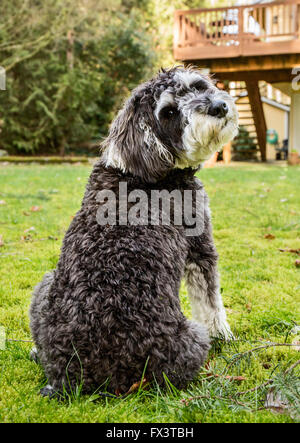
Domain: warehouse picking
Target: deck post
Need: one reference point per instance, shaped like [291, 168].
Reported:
[258, 115]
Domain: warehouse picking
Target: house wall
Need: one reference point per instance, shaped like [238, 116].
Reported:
[275, 119]
[294, 140]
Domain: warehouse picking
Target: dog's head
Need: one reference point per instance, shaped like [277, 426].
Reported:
[176, 120]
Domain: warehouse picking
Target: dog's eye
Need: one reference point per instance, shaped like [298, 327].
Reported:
[168, 112]
[200, 85]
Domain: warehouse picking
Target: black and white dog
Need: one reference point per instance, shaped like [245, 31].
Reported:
[111, 308]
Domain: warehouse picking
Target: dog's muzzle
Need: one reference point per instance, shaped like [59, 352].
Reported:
[218, 108]
[214, 107]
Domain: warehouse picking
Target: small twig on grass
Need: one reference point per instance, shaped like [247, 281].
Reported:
[186, 401]
[227, 377]
[256, 388]
[291, 367]
[267, 382]
[292, 251]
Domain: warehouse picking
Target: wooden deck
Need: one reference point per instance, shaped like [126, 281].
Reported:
[239, 31]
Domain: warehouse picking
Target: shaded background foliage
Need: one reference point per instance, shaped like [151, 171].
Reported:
[71, 63]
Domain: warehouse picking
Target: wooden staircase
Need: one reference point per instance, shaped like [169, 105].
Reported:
[251, 114]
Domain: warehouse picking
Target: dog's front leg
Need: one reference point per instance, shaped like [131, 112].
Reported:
[206, 302]
[202, 279]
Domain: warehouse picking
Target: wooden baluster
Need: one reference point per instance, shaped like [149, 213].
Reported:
[214, 27]
[297, 27]
[203, 27]
[272, 20]
[241, 28]
[260, 20]
[220, 25]
[298, 21]
[255, 17]
[276, 21]
[176, 30]
[222, 22]
[207, 33]
[183, 31]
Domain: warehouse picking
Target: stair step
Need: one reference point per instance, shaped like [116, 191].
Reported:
[245, 112]
[243, 106]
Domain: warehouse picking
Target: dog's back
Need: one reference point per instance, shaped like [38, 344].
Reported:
[111, 308]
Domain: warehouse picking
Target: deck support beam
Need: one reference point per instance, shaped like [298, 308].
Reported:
[258, 116]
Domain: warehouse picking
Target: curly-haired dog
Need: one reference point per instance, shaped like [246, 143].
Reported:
[111, 308]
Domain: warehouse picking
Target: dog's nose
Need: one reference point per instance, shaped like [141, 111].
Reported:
[218, 108]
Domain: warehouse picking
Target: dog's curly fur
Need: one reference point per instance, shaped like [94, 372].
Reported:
[111, 308]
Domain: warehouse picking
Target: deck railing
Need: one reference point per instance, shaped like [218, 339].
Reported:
[238, 30]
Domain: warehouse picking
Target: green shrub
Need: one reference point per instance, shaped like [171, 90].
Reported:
[69, 64]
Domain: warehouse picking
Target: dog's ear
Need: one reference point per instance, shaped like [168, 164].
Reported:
[132, 145]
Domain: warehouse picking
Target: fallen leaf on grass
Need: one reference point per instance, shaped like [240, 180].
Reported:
[249, 307]
[1, 241]
[27, 237]
[234, 377]
[266, 365]
[2, 202]
[269, 236]
[297, 263]
[135, 387]
[35, 208]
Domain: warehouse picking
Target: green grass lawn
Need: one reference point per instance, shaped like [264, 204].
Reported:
[260, 287]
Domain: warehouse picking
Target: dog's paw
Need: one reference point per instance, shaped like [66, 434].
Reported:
[48, 391]
[33, 355]
[221, 329]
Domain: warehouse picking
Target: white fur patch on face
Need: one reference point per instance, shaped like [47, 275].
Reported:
[204, 134]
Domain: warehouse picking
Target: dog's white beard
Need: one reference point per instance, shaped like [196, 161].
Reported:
[203, 136]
